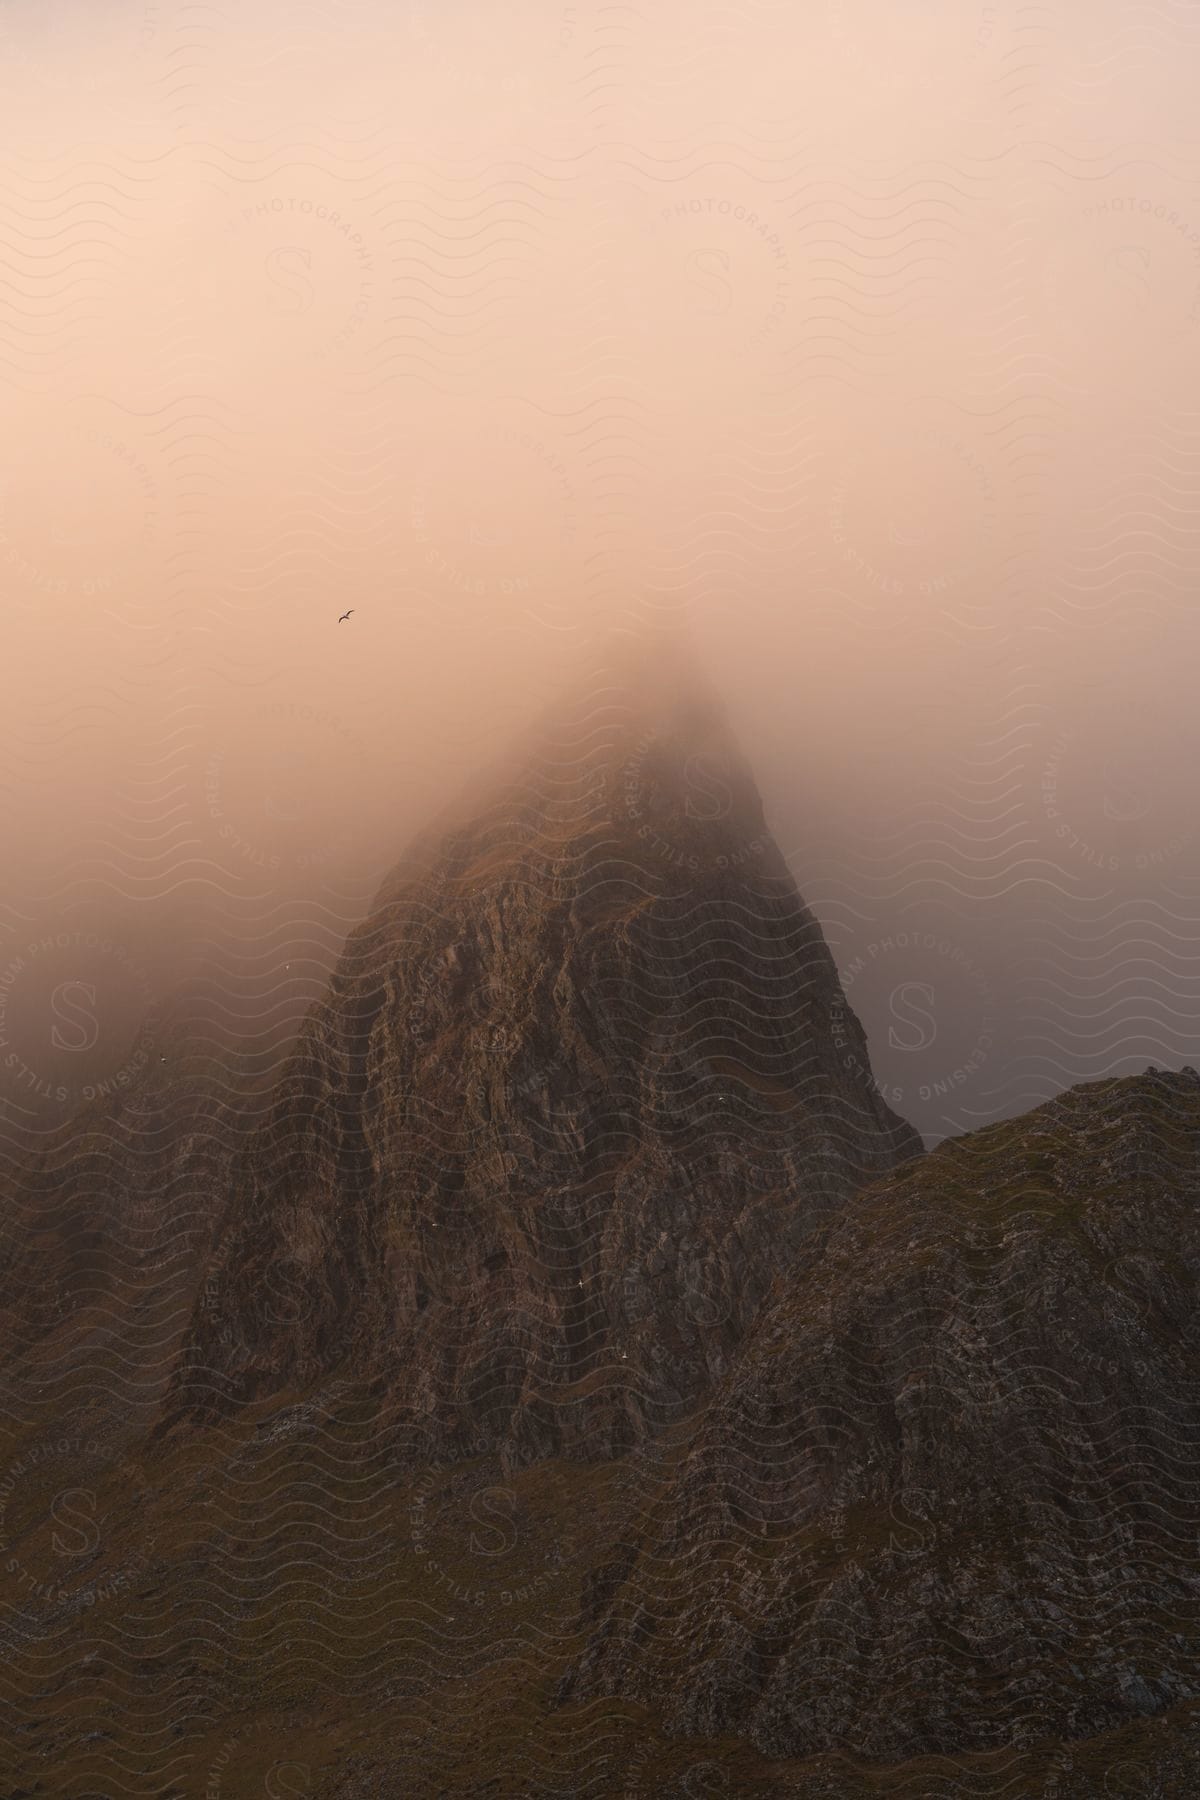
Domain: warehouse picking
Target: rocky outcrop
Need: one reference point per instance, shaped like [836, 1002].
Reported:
[948, 1498]
[571, 1098]
[604, 1396]
[108, 1222]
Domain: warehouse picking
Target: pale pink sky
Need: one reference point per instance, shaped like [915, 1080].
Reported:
[862, 336]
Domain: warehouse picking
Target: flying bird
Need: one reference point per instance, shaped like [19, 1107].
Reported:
[346, 615]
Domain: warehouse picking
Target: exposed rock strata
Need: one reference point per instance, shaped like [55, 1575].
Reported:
[570, 1100]
[948, 1498]
[108, 1224]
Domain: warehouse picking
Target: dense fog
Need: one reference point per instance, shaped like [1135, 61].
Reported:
[866, 357]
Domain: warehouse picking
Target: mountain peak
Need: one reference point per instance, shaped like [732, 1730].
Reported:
[572, 1091]
[655, 681]
[635, 767]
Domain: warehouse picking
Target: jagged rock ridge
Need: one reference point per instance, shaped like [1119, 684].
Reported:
[947, 1501]
[570, 1097]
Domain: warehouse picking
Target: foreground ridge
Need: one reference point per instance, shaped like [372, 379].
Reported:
[947, 1500]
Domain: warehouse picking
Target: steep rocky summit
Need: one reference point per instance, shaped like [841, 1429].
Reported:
[563, 1375]
[571, 1097]
[948, 1499]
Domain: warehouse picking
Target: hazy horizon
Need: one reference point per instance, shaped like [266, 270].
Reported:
[862, 344]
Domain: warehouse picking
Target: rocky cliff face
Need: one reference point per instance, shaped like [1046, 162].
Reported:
[570, 1099]
[948, 1499]
[108, 1223]
[604, 1397]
